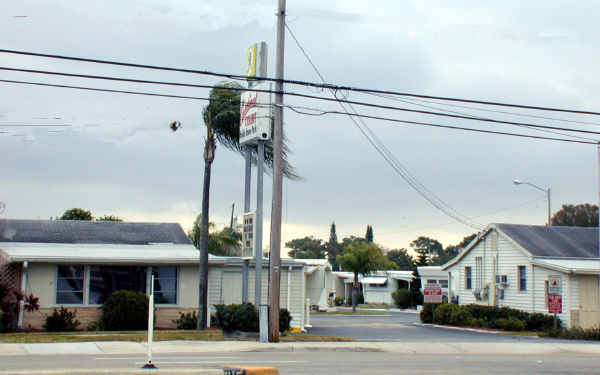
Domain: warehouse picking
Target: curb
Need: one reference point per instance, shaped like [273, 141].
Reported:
[125, 371]
[250, 370]
[466, 329]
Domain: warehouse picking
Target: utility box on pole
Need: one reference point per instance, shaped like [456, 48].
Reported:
[248, 235]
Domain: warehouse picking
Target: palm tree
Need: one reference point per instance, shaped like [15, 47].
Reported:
[221, 117]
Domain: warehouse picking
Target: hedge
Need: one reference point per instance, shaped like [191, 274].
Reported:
[244, 317]
[487, 316]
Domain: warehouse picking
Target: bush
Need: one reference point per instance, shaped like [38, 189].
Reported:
[460, 316]
[443, 312]
[492, 315]
[426, 313]
[242, 317]
[187, 321]
[360, 298]
[61, 320]
[574, 333]
[338, 301]
[285, 319]
[540, 322]
[475, 322]
[401, 298]
[10, 304]
[510, 324]
[95, 326]
[125, 310]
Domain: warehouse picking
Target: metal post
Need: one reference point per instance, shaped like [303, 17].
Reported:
[149, 364]
[258, 250]
[549, 209]
[245, 272]
[277, 180]
[599, 198]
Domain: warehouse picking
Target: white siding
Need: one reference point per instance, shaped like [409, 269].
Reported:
[569, 293]
[509, 258]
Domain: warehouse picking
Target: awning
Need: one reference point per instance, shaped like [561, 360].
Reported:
[374, 280]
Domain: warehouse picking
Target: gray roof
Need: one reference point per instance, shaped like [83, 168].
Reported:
[90, 232]
[544, 241]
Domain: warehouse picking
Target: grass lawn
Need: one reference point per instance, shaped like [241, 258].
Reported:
[142, 336]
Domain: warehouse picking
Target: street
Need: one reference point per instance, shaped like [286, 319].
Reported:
[388, 344]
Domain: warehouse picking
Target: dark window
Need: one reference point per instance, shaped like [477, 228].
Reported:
[165, 285]
[522, 278]
[444, 283]
[431, 281]
[468, 278]
[69, 285]
[106, 279]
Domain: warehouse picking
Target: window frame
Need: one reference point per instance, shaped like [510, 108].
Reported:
[175, 291]
[83, 285]
[89, 284]
[522, 281]
[468, 278]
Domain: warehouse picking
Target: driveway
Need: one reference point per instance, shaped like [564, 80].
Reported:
[397, 326]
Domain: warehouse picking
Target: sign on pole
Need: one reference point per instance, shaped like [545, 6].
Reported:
[554, 284]
[554, 304]
[248, 235]
[256, 60]
[432, 293]
[255, 114]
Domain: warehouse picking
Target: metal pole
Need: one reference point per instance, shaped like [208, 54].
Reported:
[245, 272]
[549, 209]
[149, 364]
[258, 251]
[231, 222]
[277, 179]
[599, 198]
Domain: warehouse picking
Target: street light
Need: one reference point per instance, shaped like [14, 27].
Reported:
[547, 191]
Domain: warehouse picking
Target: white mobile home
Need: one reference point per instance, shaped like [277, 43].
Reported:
[76, 264]
[377, 287]
[511, 265]
[434, 275]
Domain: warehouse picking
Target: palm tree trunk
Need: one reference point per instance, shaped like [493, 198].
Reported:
[209, 154]
[355, 292]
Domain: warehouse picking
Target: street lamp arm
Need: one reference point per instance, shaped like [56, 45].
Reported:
[535, 186]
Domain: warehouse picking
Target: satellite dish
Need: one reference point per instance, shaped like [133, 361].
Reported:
[2, 207]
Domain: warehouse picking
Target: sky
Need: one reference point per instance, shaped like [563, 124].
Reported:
[118, 156]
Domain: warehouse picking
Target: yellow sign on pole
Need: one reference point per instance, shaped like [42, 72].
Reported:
[256, 60]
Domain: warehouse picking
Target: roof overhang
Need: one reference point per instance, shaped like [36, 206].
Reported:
[374, 280]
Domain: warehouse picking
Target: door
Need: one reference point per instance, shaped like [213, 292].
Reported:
[588, 301]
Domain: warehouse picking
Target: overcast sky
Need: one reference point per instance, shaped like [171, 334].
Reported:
[120, 158]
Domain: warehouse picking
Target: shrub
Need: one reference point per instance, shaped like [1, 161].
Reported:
[360, 298]
[510, 324]
[125, 310]
[242, 317]
[426, 313]
[285, 319]
[338, 301]
[461, 316]
[10, 302]
[475, 322]
[187, 321]
[61, 320]
[574, 333]
[540, 322]
[533, 321]
[443, 312]
[95, 326]
[401, 298]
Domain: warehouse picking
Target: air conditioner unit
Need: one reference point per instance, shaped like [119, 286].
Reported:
[477, 294]
[502, 281]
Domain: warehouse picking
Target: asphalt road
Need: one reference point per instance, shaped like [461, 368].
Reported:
[395, 326]
[324, 362]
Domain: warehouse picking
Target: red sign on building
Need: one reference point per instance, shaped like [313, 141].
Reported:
[554, 303]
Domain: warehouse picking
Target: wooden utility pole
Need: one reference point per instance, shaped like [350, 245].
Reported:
[275, 258]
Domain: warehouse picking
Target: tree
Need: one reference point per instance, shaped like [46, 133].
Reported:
[402, 259]
[77, 214]
[221, 117]
[369, 234]
[109, 218]
[306, 248]
[453, 250]
[352, 240]
[580, 215]
[361, 258]
[222, 243]
[333, 248]
[424, 247]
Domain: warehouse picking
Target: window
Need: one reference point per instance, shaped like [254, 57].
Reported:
[106, 279]
[444, 283]
[431, 281]
[468, 278]
[478, 272]
[546, 283]
[522, 278]
[69, 285]
[165, 285]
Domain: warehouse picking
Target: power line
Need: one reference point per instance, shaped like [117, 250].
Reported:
[297, 82]
[390, 158]
[378, 106]
[346, 113]
[32, 125]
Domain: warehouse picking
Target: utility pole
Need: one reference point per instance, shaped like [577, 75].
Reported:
[258, 249]
[275, 258]
[231, 222]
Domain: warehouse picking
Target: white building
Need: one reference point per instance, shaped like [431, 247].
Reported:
[434, 275]
[320, 283]
[510, 265]
[76, 264]
[377, 287]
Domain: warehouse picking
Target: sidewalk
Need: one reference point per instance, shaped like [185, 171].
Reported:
[168, 347]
